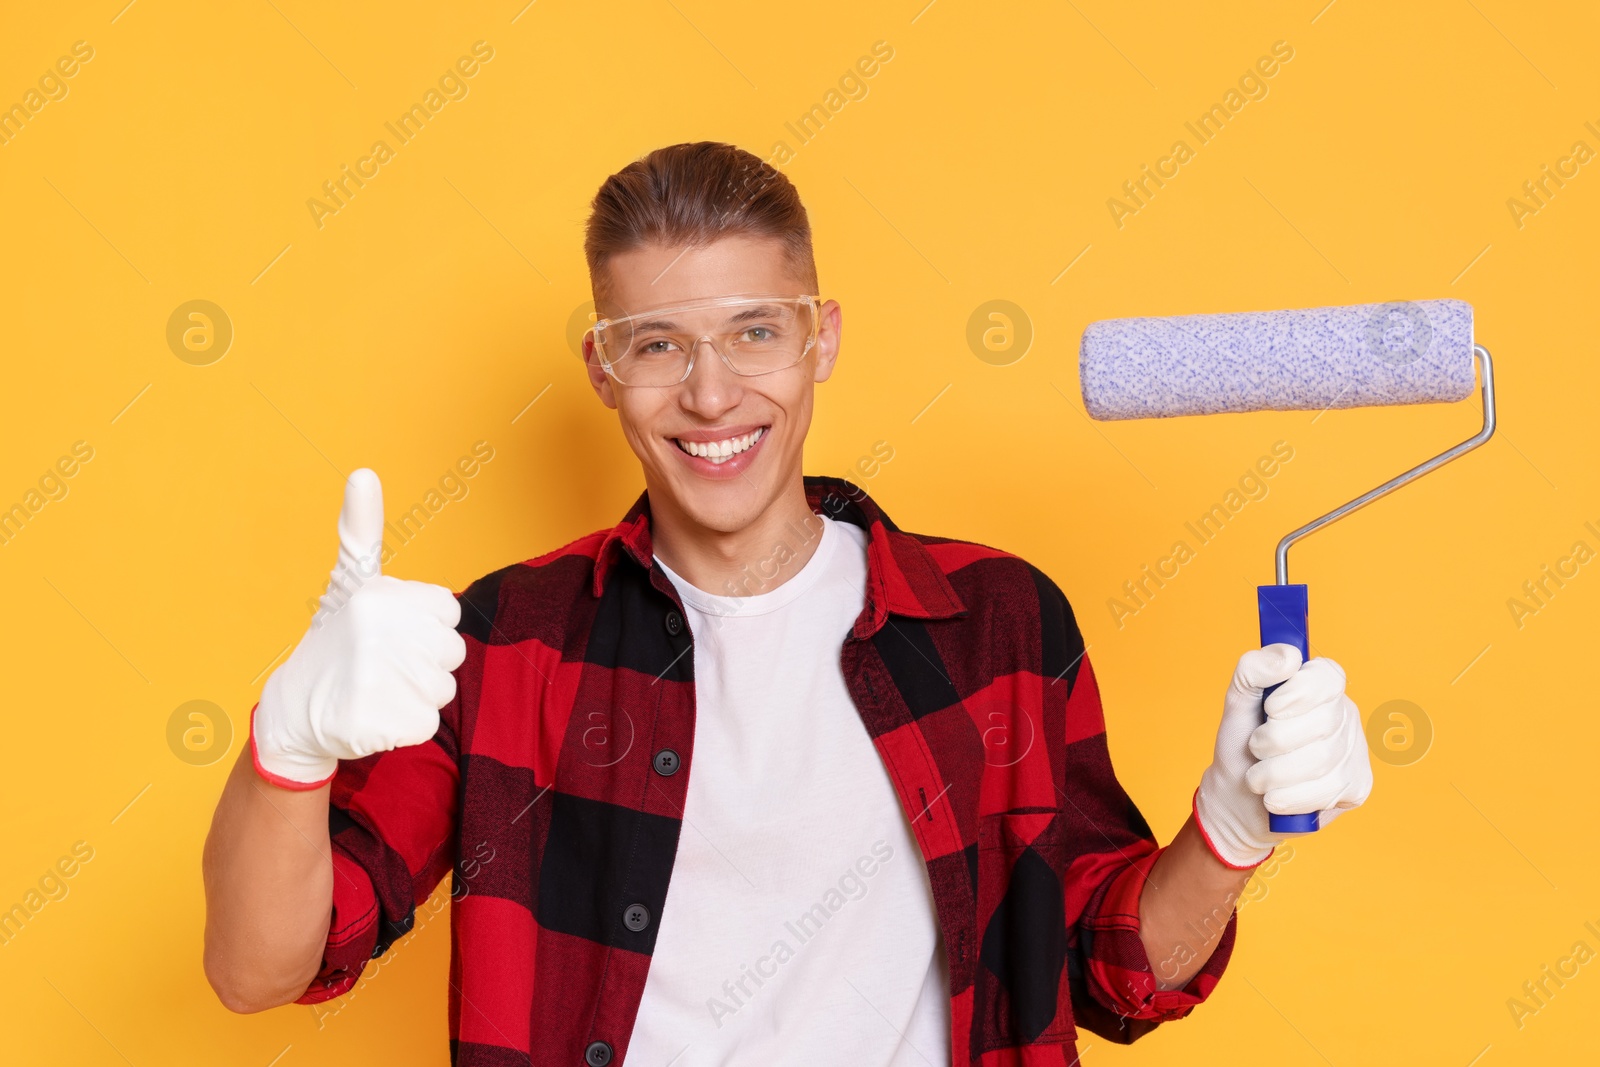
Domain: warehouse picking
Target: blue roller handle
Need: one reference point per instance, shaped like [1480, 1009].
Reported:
[1285, 611]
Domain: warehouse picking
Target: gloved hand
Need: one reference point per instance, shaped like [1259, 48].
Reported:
[372, 671]
[1310, 754]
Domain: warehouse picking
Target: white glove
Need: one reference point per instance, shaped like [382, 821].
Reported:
[1310, 754]
[373, 670]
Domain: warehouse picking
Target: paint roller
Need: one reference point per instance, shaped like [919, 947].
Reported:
[1363, 355]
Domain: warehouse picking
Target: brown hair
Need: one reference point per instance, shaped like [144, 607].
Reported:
[695, 193]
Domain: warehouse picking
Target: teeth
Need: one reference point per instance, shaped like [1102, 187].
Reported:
[720, 451]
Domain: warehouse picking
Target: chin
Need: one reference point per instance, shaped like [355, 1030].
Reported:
[725, 507]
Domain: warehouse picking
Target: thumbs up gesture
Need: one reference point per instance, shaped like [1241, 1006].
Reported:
[372, 671]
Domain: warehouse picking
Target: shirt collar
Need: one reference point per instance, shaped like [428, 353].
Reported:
[903, 578]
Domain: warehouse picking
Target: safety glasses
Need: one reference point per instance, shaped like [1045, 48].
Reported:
[753, 335]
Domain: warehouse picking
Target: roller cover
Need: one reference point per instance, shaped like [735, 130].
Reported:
[1361, 355]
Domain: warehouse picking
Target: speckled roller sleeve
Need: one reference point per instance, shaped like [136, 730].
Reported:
[1402, 352]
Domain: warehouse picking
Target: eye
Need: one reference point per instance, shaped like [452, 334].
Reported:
[659, 346]
[759, 334]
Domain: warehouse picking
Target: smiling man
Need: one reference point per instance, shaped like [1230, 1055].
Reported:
[753, 776]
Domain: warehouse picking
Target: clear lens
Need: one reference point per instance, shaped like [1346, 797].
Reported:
[754, 335]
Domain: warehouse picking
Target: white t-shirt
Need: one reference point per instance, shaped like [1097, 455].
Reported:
[799, 925]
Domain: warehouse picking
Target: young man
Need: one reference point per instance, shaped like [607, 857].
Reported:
[753, 776]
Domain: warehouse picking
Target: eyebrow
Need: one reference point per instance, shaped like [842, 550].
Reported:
[760, 311]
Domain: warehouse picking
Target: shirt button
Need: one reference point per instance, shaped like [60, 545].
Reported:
[598, 1054]
[674, 623]
[666, 762]
[636, 918]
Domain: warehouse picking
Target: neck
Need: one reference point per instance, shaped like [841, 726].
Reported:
[757, 558]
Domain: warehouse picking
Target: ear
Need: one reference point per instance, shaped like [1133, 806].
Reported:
[828, 336]
[599, 380]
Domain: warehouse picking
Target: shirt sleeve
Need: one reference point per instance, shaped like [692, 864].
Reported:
[392, 821]
[1111, 852]
[1123, 980]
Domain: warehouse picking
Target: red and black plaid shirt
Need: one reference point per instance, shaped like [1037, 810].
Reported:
[547, 794]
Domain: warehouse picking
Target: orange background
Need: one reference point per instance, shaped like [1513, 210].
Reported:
[435, 309]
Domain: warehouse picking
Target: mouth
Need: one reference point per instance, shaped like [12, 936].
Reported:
[719, 452]
[722, 456]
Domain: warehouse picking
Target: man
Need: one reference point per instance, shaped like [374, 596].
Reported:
[753, 776]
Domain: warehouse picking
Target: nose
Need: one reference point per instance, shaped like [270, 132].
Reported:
[711, 387]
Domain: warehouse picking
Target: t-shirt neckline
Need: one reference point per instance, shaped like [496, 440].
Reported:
[760, 603]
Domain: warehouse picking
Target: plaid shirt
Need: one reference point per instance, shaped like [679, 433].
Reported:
[554, 793]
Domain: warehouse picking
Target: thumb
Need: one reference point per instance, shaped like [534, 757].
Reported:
[1262, 668]
[360, 530]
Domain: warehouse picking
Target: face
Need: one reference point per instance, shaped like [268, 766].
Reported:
[714, 404]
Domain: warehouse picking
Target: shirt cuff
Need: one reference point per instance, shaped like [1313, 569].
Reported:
[352, 932]
[1122, 977]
